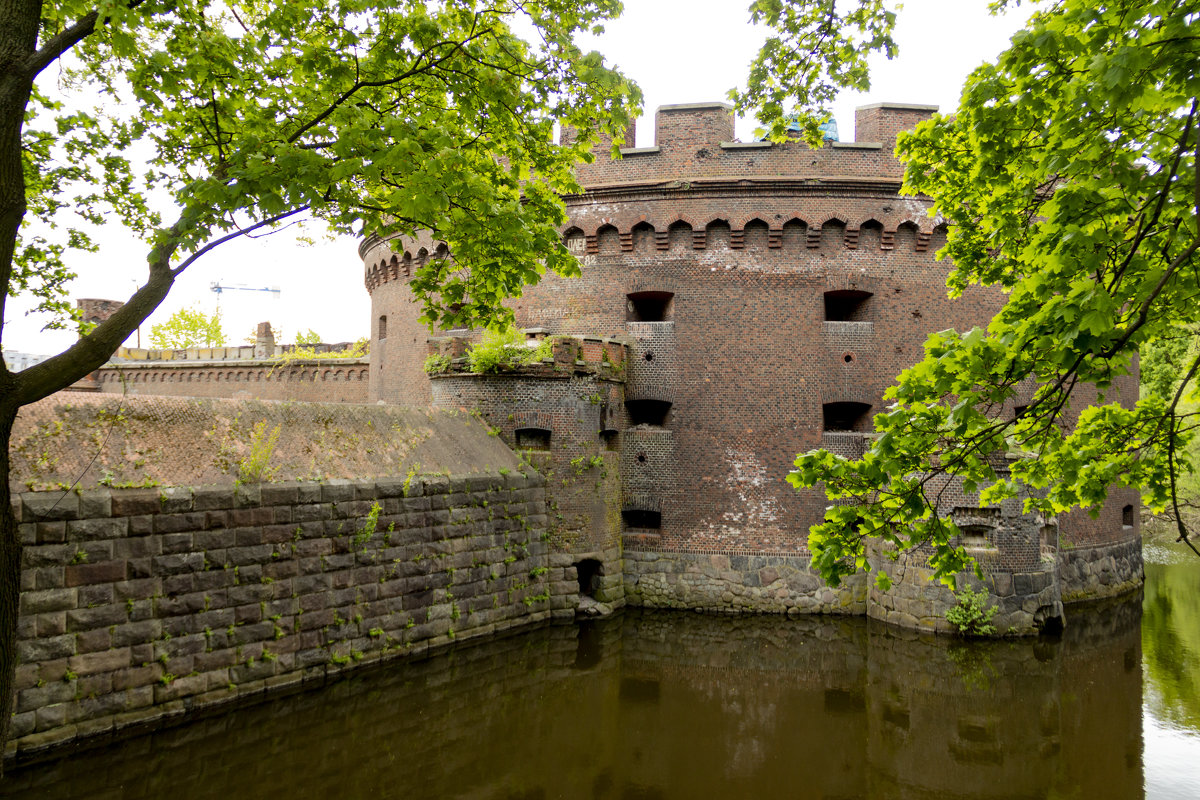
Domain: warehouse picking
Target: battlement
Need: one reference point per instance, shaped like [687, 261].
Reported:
[696, 141]
[137, 355]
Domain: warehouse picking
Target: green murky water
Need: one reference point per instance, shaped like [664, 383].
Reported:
[663, 705]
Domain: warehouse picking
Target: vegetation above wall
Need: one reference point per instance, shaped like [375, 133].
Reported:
[1069, 176]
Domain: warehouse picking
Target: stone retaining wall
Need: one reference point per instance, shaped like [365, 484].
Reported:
[139, 605]
[1106, 570]
[776, 584]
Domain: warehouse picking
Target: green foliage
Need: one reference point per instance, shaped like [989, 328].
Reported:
[255, 468]
[505, 348]
[817, 49]
[972, 616]
[1068, 176]
[369, 525]
[188, 327]
[436, 363]
[306, 352]
[309, 338]
[378, 115]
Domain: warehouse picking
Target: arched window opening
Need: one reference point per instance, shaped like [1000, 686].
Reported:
[845, 416]
[648, 306]
[846, 305]
[647, 412]
[641, 519]
[532, 438]
[1127, 516]
[383, 326]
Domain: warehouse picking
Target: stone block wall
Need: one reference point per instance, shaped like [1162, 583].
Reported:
[139, 605]
[745, 583]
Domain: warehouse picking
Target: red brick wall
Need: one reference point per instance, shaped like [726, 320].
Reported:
[344, 381]
[748, 239]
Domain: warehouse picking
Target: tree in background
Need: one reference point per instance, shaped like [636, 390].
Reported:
[188, 327]
[388, 116]
[1068, 176]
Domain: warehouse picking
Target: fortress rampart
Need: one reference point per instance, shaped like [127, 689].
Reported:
[739, 303]
[768, 294]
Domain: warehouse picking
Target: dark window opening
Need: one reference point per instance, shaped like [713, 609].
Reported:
[589, 571]
[642, 519]
[648, 306]
[1048, 540]
[610, 439]
[1127, 516]
[532, 439]
[383, 327]
[647, 412]
[1019, 411]
[973, 536]
[846, 305]
[844, 416]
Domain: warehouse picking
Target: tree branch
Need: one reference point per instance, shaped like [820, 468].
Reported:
[63, 41]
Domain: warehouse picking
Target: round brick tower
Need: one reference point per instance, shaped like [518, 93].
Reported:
[769, 294]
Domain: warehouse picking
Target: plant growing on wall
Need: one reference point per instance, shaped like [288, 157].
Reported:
[255, 467]
[971, 615]
[505, 348]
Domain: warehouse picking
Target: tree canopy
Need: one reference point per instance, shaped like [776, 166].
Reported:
[188, 327]
[1068, 177]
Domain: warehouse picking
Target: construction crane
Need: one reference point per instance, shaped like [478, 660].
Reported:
[217, 287]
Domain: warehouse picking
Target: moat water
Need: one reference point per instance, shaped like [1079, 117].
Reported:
[664, 705]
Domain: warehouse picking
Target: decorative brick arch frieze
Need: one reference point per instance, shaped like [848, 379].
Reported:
[642, 501]
[533, 419]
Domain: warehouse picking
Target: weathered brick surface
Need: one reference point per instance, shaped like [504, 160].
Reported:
[328, 381]
[745, 246]
[201, 614]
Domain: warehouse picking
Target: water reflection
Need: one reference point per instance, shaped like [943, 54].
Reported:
[662, 705]
[1171, 646]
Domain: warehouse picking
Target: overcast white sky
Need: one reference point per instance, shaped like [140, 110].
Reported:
[679, 51]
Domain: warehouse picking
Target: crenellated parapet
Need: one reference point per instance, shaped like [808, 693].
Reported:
[695, 142]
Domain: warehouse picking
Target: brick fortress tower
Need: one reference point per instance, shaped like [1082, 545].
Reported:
[767, 295]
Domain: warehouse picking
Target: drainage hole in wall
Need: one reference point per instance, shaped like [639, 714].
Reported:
[649, 356]
[848, 358]
[641, 457]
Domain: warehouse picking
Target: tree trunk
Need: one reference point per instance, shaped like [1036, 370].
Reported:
[10, 583]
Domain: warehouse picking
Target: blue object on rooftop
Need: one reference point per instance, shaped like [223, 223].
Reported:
[829, 129]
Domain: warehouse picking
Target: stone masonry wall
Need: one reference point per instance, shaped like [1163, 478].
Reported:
[142, 605]
[757, 583]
